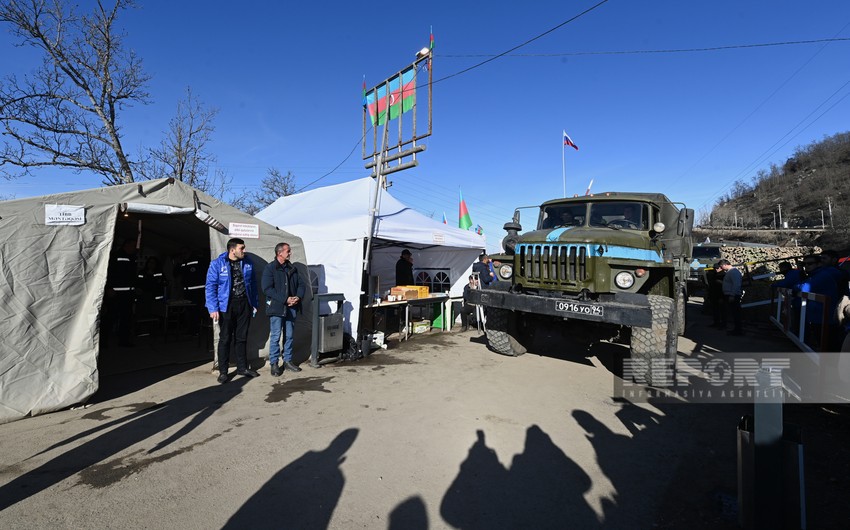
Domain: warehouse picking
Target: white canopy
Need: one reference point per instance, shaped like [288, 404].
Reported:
[333, 222]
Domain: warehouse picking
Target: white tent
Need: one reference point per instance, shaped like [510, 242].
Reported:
[333, 222]
[54, 258]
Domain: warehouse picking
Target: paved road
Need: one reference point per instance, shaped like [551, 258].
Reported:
[437, 432]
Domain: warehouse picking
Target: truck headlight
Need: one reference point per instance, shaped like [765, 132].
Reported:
[506, 271]
[624, 280]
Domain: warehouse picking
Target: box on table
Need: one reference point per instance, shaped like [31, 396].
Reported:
[404, 292]
[421, 289]
[420, 326]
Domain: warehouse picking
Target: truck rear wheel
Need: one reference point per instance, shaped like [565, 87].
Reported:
[501, 332]
[658, 342]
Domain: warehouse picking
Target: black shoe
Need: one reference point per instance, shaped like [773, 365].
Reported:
[276, 371]
[222, 378]
[464, 329]
[291, 367]
[247, 372]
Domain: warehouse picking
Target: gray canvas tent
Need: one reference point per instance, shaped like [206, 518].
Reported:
[54, 259]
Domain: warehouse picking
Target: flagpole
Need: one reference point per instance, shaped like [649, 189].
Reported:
[563, 167]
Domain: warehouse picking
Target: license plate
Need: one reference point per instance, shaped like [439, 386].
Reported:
[582, 309]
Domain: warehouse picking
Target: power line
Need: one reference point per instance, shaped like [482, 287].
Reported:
[529, 41]
[638, 52]
[748, 116]
[768, 153]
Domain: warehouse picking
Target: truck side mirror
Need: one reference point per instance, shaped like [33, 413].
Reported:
[685, 223]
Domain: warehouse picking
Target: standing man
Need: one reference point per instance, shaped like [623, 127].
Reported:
[485, 273]
[732, 292]
[284, 291]
[232, 301]
[404, 269]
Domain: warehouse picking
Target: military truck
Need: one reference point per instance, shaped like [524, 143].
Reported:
[612, 266]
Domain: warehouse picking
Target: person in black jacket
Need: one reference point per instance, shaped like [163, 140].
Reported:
[284, 291]
[404, 269]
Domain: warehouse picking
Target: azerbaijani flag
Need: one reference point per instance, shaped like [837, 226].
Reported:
[399, 94]
[569, 142]
[464, 220]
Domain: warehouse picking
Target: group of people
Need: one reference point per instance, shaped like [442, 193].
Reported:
[483, 275]
[821, 275]
[232, 301]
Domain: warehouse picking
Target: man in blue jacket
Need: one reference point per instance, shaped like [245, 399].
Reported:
[284, 291]
[232, 300]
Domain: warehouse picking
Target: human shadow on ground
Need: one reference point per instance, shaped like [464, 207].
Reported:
[303, 494]
[118, 385]
[128, 431]
[675, 469]
[542, 489]
[409, 515]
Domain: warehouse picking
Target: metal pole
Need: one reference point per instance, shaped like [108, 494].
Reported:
[829, 204]
[563, 168]
[780, 216]
[774, 220]
[373, 211]
[767, 437]
[822, 223]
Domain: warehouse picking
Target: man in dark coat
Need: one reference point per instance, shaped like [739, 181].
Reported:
[284, 291]
[404, 269]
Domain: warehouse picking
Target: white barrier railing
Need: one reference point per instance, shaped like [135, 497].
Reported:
[784, 319]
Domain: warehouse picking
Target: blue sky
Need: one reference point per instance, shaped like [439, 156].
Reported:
[287, 79]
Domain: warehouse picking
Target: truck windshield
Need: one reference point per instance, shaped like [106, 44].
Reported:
[562, 215]
[706, 253]
[628, 215]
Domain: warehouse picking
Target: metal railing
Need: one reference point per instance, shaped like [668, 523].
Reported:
[794, 326]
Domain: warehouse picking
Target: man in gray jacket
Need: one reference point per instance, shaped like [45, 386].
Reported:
[732, 291]
[284, 291]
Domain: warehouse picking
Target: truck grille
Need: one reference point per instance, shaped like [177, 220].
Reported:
[552, 263]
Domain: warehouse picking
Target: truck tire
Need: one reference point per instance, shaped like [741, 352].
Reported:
[501, 333]
[659, 341]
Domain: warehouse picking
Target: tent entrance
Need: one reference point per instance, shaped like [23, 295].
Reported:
[153, 311]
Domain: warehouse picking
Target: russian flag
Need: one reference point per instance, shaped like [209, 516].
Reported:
[569, 142]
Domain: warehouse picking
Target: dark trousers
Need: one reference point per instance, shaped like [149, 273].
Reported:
[732, 310]
[233, 327]
[466, 310]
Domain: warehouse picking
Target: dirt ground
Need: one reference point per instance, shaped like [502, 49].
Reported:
[436, 432]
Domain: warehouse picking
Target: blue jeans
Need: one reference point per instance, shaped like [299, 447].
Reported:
[276, 323]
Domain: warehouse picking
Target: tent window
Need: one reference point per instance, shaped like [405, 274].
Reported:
[423, 278]
[437, 281]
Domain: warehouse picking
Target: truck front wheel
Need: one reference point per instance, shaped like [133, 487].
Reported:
[654, 349]
[501, 332]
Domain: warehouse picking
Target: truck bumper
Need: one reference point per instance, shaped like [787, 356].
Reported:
[624, 310]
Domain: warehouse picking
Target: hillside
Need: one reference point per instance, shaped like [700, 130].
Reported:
[811, 187]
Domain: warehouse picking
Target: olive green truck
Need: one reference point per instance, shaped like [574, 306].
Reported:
[611, 266]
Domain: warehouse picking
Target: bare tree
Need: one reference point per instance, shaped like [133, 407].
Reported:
[66, 113]
[274, 186]
[183, 153]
